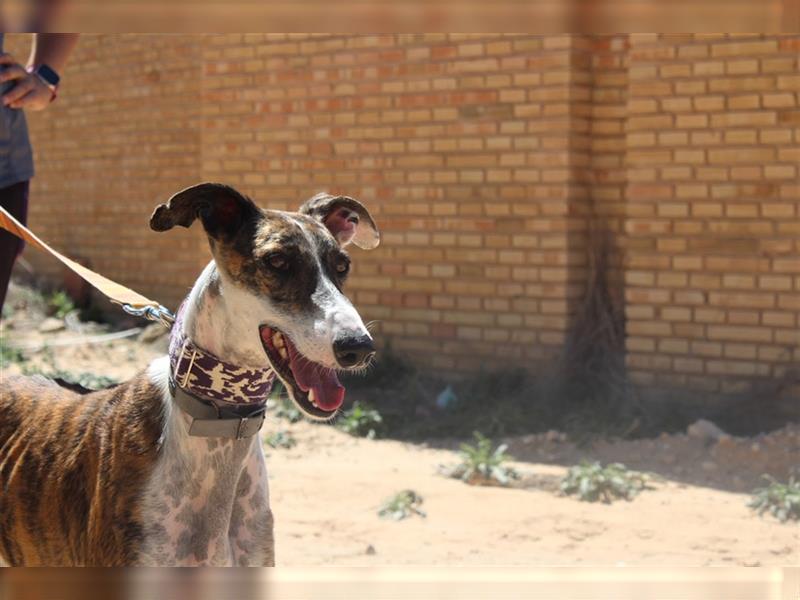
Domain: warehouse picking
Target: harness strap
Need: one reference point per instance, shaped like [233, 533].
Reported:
[119, 294]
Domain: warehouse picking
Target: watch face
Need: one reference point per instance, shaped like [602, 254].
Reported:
[48, 74]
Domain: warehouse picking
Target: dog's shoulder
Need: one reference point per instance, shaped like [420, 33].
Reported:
[24, 393]
[77, 460]
[46, 407]
[20, 395]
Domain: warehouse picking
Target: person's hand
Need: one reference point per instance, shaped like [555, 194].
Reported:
[29, 91]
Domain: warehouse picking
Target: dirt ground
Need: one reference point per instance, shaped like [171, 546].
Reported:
[327, 489]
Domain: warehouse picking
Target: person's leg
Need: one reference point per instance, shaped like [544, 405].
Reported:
[14, 199]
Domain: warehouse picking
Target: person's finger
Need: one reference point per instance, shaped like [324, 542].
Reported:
[18, 91]
[12, 72]
[36, 99]
[23, 101]
[7, 59]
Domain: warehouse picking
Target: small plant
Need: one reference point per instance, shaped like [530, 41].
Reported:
[592, 482]
[8, 311]
[87, 380]
[281, 439]
[402, 506]
[284, 407]
[781, 500]
[361, 421]
[482, 465]
[60, 304]
[8, 354]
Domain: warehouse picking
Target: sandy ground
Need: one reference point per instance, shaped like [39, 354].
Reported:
[326, 490]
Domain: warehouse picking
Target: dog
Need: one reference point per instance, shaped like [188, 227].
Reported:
[167, 468]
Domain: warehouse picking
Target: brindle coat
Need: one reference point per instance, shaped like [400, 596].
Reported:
[72, 467]
[112, 477]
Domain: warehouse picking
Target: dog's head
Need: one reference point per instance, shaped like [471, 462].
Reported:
[283, 273]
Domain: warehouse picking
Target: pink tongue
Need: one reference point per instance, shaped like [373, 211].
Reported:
[329, 393]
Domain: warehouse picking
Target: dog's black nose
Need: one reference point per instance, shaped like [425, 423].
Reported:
[353, 351]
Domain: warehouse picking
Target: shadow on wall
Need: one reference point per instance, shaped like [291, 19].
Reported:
[583, 402]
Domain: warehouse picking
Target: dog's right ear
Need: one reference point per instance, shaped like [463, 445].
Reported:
[221, 208]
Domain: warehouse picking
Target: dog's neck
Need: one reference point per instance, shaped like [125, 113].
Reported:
[200, 373]
[210, 479]
[209, 320]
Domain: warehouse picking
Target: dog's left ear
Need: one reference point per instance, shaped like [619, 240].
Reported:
[346, 218]
[220, 207]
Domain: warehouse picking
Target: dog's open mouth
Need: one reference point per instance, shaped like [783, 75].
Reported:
[314, 388]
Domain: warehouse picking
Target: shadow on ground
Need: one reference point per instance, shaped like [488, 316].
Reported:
[547, 422]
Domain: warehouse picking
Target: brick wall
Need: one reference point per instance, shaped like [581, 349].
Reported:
[460, 145]
[493, 164]
[712, 246]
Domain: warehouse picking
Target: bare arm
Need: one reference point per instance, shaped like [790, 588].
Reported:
[52, 49]
[29, 90]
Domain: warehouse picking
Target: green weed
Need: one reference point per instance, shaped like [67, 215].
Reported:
[89, 381]
[281, 439]
[483, 465]
[781, 500]
[401, 506]
[592, 482]
[9, 355]
[360, 420]
[60, 304]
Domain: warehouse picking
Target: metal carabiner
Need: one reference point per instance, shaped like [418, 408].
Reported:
[152, 313]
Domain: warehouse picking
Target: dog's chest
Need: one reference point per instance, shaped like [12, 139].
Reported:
[207, 503]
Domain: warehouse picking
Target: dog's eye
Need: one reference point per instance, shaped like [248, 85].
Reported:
[342, 266]
[279, 262]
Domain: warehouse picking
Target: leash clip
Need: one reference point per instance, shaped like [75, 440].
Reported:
[158, 313]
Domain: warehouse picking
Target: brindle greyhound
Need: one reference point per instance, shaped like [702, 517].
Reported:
[165, 469]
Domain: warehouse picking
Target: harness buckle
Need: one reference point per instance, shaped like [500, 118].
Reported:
[179, 362]
[240, 429]
[260, 413]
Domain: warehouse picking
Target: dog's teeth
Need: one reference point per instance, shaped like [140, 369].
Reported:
[277, 339]
[312, 397]
[283, 353]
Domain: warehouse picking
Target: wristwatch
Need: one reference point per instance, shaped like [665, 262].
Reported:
[48, 76]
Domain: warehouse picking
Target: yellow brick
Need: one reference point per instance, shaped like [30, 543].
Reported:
[744, 119]
[739, 67]
[783, 100]
[709, 103]
[673, 346]
[676, 104]
[741, 137]
[738, 333]
[708, 68]
[744, 48]
[754, 155]
[675, 70]
[780, 172]
[741, 84]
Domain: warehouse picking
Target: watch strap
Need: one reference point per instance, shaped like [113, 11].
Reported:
[48, 76]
